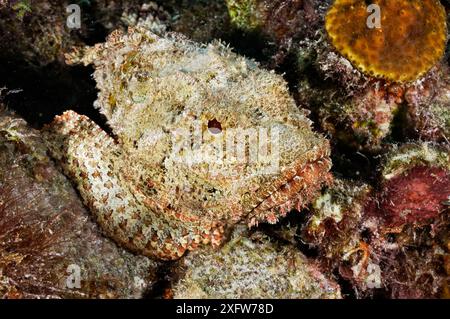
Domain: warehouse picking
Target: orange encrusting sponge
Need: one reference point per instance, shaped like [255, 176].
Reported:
[410, 41]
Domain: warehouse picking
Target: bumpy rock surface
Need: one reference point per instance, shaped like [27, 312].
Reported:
[200, 20]
[428, 103]
[36, 31]
[416, 183]
[392, 239]
[181, 171]
[47, 237]
[252, 266]
[282, 23]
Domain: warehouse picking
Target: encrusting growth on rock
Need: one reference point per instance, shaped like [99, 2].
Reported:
[408, 41]
[46, 234]
[392, 238]
[282, 23]
[429, 106]
[416, 183]
[252, 266]
[198, 132]
[366, 85]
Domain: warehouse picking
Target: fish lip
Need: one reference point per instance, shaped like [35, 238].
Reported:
[320, 163]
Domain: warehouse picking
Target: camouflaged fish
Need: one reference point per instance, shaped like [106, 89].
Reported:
[202, 139]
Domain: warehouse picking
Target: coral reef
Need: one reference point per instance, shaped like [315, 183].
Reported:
[413, 31]
[37, 31]
[280, 22]
[411, 240]
[225, 149]
[252, 266]
[428, 107]
[360, 122]
[335, 229]
[113, 15]
[415, 184]
[392, 239]
[46, 235]
[200, 20]
[347, 97]
[160, 190]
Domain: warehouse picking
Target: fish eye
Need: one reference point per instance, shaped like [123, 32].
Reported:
[214, 127]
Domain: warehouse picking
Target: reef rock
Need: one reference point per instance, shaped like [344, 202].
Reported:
[201, 21]
[281, 23]
[358, 80]
[252, 266]
[428, 107]
[36, 31]
[49, 245]
[391, 240]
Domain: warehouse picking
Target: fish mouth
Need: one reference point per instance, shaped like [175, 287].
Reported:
[296, 187]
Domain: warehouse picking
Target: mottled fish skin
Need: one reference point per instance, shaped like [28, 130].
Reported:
[152, 90]
[93, 160]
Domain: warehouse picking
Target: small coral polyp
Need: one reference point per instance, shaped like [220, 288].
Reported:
[410, 41]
